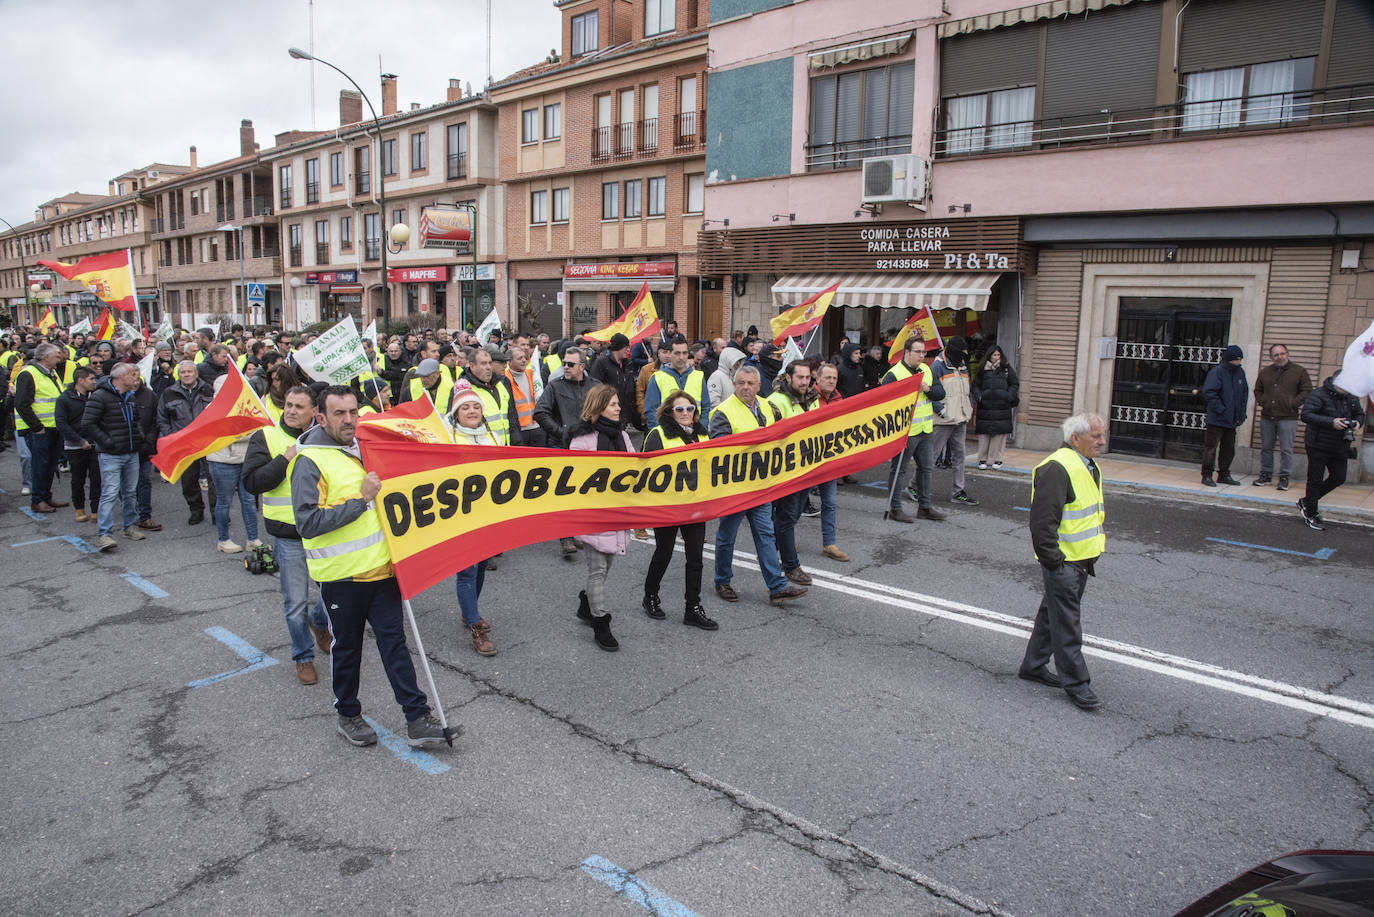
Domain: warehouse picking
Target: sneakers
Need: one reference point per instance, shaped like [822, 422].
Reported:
[997, 465]
[1283, 482]
[931, 513]
[1262, 480]
[961, 496]
[899, 515]
[912, 495]
[695, 616]
[727, 593]
[569, 547]
[798, 575]
[228, 547]
[25, 491]
[811, 509]
[356, 731]
[982, 466]
[306, 674]
[1314, 520]
[480, 641]
[791, 592]
[134, 534]
[105, 543]
[835, 553]
[652, 606]
[642, 534]
[425, 731]
[254, 544]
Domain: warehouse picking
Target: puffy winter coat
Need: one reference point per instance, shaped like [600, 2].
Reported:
[1319, 412]
[110, 421]
[1228, 395]
[996, 391]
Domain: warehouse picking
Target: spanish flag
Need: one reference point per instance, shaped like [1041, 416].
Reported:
[104, 326]
[235, 410]
[415, 421]
[110, 276]
[929, 333]
[47, 322]
[803, 317]
[638, 322]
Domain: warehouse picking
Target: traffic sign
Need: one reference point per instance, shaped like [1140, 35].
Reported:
[256, 293]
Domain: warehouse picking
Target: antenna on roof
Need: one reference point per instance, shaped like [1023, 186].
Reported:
[488, 42]
[311, 49]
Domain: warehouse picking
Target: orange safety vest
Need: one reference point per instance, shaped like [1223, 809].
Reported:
[524, 407]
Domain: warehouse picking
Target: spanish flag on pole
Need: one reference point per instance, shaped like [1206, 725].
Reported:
[109, 276]
[638, 322]
[104, 326]
[803, 317]
[47, 322]
[929, 333]
[235, 410]
[415, 421]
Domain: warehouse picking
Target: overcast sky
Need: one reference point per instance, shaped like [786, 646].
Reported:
[95, 88]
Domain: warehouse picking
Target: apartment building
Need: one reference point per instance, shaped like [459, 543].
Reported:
[1112, 190]
[215, 236]
[433, 164]
[602, 156]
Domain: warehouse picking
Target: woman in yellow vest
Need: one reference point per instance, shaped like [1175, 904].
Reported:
[469, 428]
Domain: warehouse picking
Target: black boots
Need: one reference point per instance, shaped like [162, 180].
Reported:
[584, 610]
[695, 616]
[652, 606]
[604, 638]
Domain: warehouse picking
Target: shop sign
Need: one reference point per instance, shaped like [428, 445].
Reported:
[332, 277]
[484, 272]
[620, 269]
[438, 274]
[442, 227]
[925, 247]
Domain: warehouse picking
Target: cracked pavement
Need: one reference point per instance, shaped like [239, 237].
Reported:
[836, 756]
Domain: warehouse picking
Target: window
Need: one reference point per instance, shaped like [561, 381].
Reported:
[457, 151]
[293, 236]
[372, 236]
[696, 193]
[658, 196]
[610, 200]
[389, 157]
[346, 234]
[312, 181]
[321, 241]
[634, 191]
[658, 16]
[993, 120]
[539, 204]
[362, 170]
[553, 121]
[601, 137]
[195, 205]
[858, 114]
[560, 205]
[285, 173]
[648, 132]
[398, 215]
[529, 125]
[336, 170]
[625, 128]
[1258, 94]
[419, 152]
[584, 38]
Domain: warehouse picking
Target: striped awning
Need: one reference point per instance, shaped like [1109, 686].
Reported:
[891, 291]
[859, 51]
[1048, 9]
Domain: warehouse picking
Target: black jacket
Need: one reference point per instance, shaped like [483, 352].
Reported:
[996, 392]
[262, 472]
[852, 380]
[71, 407]
[145, 400]
[176, 408]
[621, 377]
[1319, 412]
[209, 372]
[111, 422]
[560, 408]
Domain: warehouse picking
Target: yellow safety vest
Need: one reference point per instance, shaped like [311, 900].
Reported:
[1081, 533]
[45, 393]
[741, 418]
[68, 372]
[241, 360]
[199, 357]
[669, 440]
[786, 406]
[667, 384]
[276, 503]
[443, 399]
[923, 420]
[494, 412]
[552, 362]
[71, 352]
[357, 549]
[272, 410]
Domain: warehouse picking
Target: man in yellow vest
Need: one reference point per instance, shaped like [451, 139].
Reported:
[345, 552]
[917, 459]
[430, 377]
[1066, 523]
[741, 412]
[677, 375]
[36, 390]
[498, 407]
[270, 451]
[794, 396]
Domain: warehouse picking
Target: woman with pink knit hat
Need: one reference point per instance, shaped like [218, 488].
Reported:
[469, 428]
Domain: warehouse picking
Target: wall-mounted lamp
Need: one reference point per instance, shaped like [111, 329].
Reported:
[871, 209]
[789, 217]
[397, 237]
[955, 208]
[724, 222]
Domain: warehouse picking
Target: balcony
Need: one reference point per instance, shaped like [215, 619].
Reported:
[824, 157]
[285, 200]
[224, 212]
[1286, 111]
[457, 166]
[312, 192]
[321, 252]
[631, 139]
[362, 183]
[691, 132]
[296, 256]
[372, 251]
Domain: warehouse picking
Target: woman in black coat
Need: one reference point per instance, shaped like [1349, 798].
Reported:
[997, 393]
[851, 368]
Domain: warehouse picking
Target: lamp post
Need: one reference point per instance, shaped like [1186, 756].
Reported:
[243, 290]
[471, 208]
[23, 268]
[298, 54]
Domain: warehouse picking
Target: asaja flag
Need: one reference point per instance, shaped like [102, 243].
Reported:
[165, 332]
[335, 356]
[370, 333]
[81, 327]
[110, 277]
[104, 326]
[145, 365]
[804, 316]
[1357, 369]
[930, 333]
[126, 332]
[47, 322]
[489, 324]
[415, 421]
[638, 322]
[234, 411]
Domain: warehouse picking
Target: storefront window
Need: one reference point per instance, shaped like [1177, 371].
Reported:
[412, 292]
[583, 314]
[473, 313]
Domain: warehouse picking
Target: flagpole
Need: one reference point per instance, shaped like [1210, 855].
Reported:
[449, 734]
[133, 286]
[435, 408]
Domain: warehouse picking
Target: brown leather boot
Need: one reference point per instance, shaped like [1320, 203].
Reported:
[480, 641]
[305, 671]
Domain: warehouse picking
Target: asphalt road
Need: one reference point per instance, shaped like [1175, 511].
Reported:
[867, 750]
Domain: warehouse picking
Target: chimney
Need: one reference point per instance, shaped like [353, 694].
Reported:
[388, 94]
[350, 107]
[193, 157]
[414, 106]
[248, 144]
[455, 90]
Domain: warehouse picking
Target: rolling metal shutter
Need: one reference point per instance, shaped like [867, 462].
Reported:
[1101, 60]
[999, 59]
[1352, 44]
[1048, 371]
[1231, 33]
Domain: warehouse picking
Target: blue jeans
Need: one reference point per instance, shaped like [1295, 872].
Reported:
[21, 445]
[118, 482]
[761, 525]
[145, 488]
[786, 511]
[295, 598]
[228, 481]
[45, 448]
[830, 495]
[468, 582]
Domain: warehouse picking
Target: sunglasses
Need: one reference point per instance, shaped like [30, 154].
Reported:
[684, 408]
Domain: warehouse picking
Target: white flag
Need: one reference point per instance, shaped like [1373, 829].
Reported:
[165, 332]
[145, 366]
[126, 332]
[489, 324]
[81, 327]
[791, 354]
[335, 356]
[370, 333]
[1357, 369]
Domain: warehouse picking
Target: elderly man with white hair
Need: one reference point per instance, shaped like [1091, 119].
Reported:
[178, 405]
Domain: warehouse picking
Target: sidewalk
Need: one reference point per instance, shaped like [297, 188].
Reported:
[1349, 502]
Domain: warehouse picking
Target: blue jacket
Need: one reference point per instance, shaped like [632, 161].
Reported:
[1227, 393]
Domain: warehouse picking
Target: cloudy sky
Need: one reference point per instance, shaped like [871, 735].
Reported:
[97, 87]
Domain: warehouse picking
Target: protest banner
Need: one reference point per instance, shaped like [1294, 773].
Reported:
[336, 356]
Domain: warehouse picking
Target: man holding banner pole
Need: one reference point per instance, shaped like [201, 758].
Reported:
[916, 460]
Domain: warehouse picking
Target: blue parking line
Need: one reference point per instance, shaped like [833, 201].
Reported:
[1023, 509]
[631, 889]
[1319, 554]
[255, 657]
[398, 747]
[142, 585]
[25, 544]
[81, 544]
[35, 516]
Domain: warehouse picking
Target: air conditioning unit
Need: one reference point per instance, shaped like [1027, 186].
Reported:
[894, 178]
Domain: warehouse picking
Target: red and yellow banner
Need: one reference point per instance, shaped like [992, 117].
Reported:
[415, 421]
[104, 326]
[47, 322]
[109, 276]
[638, 322]
[930, 333]
[235, 410]
[802, 317]
[444, 508]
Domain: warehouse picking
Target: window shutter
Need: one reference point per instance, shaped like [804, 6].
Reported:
[1351, 40]
[1000, 59]
[823, 110]
[847, 107]
[1103, 60]
[1231, 33]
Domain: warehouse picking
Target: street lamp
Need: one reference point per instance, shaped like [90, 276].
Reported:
[399, 234]
[19, 247]
[243, 291]
[298, 54]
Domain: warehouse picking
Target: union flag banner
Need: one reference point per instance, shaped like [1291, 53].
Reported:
[110, 276]
[415, 421]
[47, 322]
[235, 410]
[802, 317]
[444, 508]
[930, 332]
[638, 322]
[104, 326]
[1356, 374]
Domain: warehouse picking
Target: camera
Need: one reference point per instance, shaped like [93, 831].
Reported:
[260, 561]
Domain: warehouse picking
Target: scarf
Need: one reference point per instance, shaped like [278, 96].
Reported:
[609, 437]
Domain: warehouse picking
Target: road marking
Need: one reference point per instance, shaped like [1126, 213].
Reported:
[81, 544]
[399, 747]
[32, 514]
[255, 657]
[1023, 509]
[25, 544]
[1283, 694]
[142, 585]
[1320, 554]
[631, 889]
